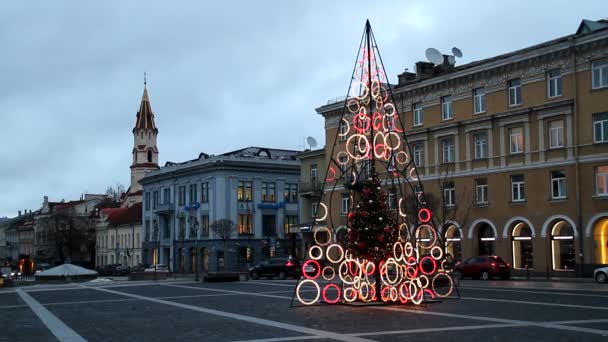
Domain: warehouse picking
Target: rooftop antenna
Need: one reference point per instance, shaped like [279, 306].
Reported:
[456, 51]
[145, 80]
[434, 56]
[311, 142]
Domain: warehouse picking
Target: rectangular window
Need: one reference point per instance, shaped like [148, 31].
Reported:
[479, 100]
[147, 200]
[155, 199]
[481, 191]
[314, 209]
[446, 108]
[244, 191]
[601, 180]
[514, 92]
[343, 130]
[290, 221]
[556, 134]
[448, 148]
[345, 204]
[314, 172]
[392, 200]
[554, 83]
[558, 185]
[290, 194]
[481, 145]
[204, 192]
[418, 151]
[517, 188]
[167, 195]
[182, 195]
[193, 193]
[600, 127]
[599, 70]
[205, 225]
[343, 160]
[449, 194]
[417, 112]
[516, 138]
[268, 192]
[245, 221]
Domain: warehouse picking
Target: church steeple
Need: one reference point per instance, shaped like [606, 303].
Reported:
[145, 151]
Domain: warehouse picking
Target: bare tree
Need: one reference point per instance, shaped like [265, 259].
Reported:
[115, 191]
[223, 229]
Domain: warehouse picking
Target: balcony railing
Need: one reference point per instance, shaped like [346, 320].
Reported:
[310, 187]
[164, 209]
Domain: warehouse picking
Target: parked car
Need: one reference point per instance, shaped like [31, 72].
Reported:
[601, 275]
[139, 268]
[157, 268]
[276, 267]
[483, 267]
[42, 267]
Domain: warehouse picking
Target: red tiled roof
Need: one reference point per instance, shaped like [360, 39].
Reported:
[145, 116]
[117, 216]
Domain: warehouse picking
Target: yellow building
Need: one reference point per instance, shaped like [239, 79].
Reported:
[515, 147]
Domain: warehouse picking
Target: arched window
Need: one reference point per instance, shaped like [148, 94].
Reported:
[193, 260]
[452, 242]
[562, 246]
[486, 240]
[600, 235]
[149, 156]
[521, 242]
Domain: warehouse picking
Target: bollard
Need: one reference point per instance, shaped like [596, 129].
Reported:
[527, 272]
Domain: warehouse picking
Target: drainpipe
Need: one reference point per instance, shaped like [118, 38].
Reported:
[579, 215]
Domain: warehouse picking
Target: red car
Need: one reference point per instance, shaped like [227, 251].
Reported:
[483, 267]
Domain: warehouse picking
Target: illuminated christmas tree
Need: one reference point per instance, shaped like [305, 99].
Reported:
[380, 259]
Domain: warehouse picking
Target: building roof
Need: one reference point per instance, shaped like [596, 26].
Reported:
[118, 216]
[145, 116]
[263, 152]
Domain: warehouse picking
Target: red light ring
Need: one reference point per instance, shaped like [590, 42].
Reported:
[304, 268]
[428, 257]
[427, 215]
[334, 301]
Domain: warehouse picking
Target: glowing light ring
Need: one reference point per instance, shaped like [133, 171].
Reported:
[435, 256]
[387, 139]
[424, 215]
[363, 87]
[346, 297]
[331, 170]
[320, 253]
[414, 178]
[426, 283]
[403, 297]
[421, 199]
[334, 301]
[375, 124]
[358, 270]
[404, 227]
[353, 106]
[384, 272]
[318, 268]
[413, 291]
[340, 134]
[333, 273]
[361, 124]
[408, 249]
[343, 275]
[398, 256]
[366, 147]
[367, 264]
[428, 257]
[411, 261]
[430, 292]
[375, 88]
[383, 295]
[394, 294]
[339, 157]
[349, 142]
[329, 235]
[367, 291]
[450, 280]
[348, 255]
[353, 178]
[412, 272]
[431, 230]
[389, 109]
[327, 254]
[300, 286]
[322, 218]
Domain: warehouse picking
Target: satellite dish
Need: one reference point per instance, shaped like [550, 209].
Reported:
[434, 56]
[456, 51]
[311, 142]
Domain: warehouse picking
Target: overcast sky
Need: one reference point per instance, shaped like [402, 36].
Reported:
[221, 74]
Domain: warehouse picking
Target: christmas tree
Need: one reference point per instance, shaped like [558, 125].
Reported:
[381, 259]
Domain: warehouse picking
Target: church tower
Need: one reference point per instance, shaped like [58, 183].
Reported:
[145, 152]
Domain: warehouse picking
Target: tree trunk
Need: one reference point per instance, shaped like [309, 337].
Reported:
[378, 282]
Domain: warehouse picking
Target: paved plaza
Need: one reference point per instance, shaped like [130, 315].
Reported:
[182, 310]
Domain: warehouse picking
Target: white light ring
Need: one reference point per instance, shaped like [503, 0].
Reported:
[362, 86]
[327, 254]
[412, 290]
[404, 227]
[339, 156]
[366, 147]
[418, 297]
[442, 295]
[361, 296]
[401, 213]
[333, 273]
[444, 266]
[347, 274]
[353, 178]
[349, 142]
[298, 291]
[402, 161]
[393, 294]
[375, 88]
[348, 256]
[387, 139]
[431, 231]
[440, 255]
[346, 298]
[322, 218]
[351, 106]
[347, 128]
[411, 173]
[389, 109]
[426, 283]
[384, 272]
[398, 255]
[318, 257]
[408, 249]
[329, 235]
[357, 282]
[421, 199]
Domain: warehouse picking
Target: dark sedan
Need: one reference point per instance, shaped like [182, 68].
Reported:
[276, 267]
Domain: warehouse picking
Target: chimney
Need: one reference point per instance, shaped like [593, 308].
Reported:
[19, 212]
[424, 70]
[46, 200]
[406, 77]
